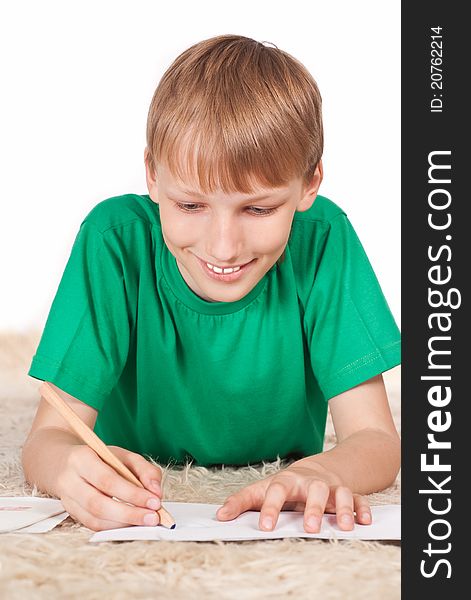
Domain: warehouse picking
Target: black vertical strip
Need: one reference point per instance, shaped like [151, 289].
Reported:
[436, 268]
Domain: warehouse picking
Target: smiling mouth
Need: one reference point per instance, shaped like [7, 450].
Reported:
[224, 269]
[224, 274]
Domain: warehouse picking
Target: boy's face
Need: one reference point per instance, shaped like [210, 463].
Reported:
[226, 230]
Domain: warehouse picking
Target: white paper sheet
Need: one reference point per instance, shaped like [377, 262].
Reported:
[197, 522]
[45, 525]
[21, 512]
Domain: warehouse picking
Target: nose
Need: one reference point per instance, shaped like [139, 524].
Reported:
[223, 239]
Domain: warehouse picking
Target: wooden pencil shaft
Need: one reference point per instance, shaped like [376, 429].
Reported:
[93, 441]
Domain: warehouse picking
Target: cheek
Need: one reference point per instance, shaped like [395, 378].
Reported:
[272, 238]
[175, 231]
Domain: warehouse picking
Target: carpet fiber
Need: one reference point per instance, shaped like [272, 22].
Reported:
[62, 564]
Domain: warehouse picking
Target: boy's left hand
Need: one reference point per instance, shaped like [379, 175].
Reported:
[301, 486]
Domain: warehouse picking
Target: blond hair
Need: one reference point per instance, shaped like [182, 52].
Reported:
[232, 113]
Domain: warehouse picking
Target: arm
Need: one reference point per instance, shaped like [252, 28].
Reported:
[49, 437]
[366, 458]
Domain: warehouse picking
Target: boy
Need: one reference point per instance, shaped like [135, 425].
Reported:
[216, 317]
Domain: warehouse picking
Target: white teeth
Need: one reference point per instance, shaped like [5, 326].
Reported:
[218, 270]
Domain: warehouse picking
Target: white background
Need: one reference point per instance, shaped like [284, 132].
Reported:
[77, 81]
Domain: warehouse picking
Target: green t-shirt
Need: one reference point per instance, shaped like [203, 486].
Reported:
[176, 377]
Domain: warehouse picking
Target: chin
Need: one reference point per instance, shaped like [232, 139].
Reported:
[229, 295]
[226, 297]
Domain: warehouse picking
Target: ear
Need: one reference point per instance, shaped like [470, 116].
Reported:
[150, 176]
[310, 190]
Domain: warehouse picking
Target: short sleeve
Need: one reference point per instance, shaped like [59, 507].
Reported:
[85, 342]
[351, 333]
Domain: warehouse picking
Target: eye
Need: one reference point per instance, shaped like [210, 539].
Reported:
[253, 209]
[187, 207]
[262, 211]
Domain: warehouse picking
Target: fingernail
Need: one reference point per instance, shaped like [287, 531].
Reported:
[346, 520]
[314, 523]
[366, 517]
[155, 485]
[150, 519]
[267, 523]
[153, 503]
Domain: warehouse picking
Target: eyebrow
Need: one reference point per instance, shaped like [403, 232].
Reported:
[202, 197]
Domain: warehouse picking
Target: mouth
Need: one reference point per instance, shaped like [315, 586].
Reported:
[214, 271]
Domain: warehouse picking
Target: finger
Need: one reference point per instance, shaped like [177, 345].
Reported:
[102, 507]
[317, 496]
[362, 510]
[80, 514]
[105, 479]
[249, 498]
[275, 497]
[148, 474]
[344, 508]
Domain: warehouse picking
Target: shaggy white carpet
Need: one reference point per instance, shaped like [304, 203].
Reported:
[62, 564]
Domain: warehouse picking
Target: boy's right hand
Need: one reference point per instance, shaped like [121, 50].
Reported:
[86, 486]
